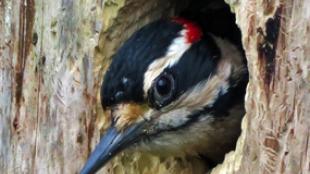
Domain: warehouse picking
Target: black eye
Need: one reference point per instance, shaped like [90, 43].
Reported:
[163, 90]
[119, 96]
[163, 86]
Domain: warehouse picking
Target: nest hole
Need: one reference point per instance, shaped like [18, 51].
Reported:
[214, 15]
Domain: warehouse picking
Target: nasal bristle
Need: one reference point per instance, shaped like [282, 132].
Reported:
[193, 31]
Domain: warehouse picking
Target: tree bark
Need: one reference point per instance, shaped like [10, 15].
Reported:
[47, 81]
[275, 137]
[53, 55]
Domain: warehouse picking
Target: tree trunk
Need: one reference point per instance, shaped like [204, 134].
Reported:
[53, 55]
[275, 138]
[47, 82]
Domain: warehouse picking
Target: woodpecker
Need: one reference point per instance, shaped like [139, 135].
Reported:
[172, 90]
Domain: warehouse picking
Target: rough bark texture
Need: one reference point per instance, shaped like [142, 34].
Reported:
[276, 37]
[47, 82]
[53, 55]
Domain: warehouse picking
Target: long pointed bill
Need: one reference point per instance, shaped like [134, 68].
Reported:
[113, 142]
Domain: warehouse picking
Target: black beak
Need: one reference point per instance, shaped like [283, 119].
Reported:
[110, 144]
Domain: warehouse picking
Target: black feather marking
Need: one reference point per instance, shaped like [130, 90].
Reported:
[221, 107]
[133, 58]
[224, 103]
[198, 63]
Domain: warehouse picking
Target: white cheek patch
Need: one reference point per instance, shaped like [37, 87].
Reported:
[204, 94]
[173, 119]
[174, 54]
[201, 95]
[231, 55]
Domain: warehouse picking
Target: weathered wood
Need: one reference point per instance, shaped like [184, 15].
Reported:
[47, 96]
[276, 38]
[53, 55]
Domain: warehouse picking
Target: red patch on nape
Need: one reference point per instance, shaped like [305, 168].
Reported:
[193, 31]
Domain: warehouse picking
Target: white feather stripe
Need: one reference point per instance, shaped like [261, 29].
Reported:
[173, 55]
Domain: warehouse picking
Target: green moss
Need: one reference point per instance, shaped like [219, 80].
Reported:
[111, 9]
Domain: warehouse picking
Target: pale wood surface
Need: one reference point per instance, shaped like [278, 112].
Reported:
[53, 55]
[47, 81]
[277, 129]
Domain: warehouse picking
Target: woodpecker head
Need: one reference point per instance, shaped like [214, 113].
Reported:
[170, 90]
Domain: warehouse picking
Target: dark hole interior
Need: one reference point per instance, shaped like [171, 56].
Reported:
[213, 16]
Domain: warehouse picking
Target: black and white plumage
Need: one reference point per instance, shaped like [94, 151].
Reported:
[172, 89]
